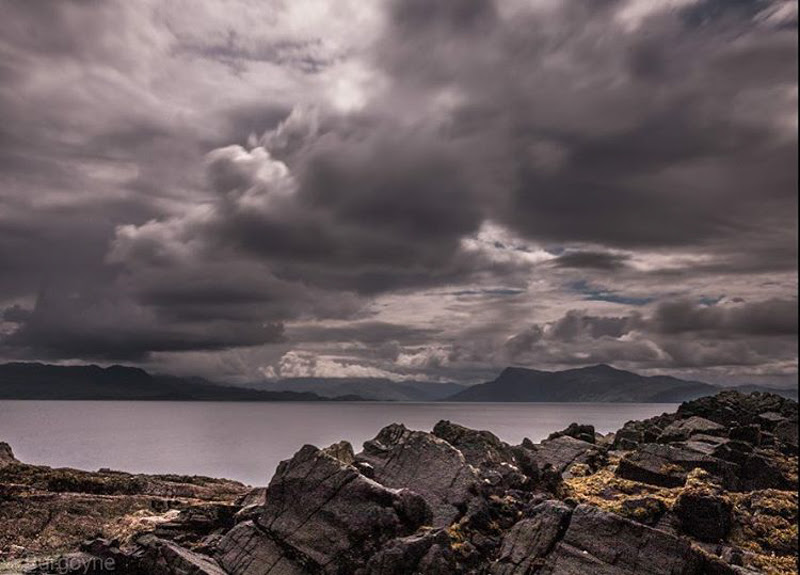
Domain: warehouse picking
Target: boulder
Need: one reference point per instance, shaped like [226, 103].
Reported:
[342, 451]
[583, 432]
[748, 433]
[705, 516]
[6, 455]
[478, 447]
[683, 429]
[427, 464]
[603, 543]
[321, 515]
[161, 557]
[526, 545]
[732, 408]
[564, 451]
[786, 432]
[428, 552]
[763, 470]
[249, 550]
[668, 466]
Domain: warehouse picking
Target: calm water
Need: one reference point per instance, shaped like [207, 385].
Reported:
[245, 441]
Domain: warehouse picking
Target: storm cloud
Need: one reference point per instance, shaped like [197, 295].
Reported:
[404, 188]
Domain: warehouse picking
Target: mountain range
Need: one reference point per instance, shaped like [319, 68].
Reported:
[91, 382]
[599, 383]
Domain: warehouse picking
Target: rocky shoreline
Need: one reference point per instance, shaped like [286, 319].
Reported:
[710, 489]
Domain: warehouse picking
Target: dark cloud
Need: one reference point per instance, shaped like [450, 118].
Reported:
[591, 260]
[178, 181]
[678, 334]
[768, 318]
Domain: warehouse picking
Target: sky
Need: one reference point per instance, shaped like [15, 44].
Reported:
[410, 189]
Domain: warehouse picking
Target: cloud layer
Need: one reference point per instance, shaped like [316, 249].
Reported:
[402, 188]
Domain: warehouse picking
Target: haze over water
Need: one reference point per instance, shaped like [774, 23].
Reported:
[246, 441]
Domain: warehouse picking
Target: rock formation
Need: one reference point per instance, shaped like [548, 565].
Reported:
[710, 489]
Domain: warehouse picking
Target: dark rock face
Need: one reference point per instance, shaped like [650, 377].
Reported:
[707, 517]
[532, 539]
[683, 429]
[323, 516]
[6, 455]
[477, 447]
[668, 466]
[583, 432]
[161, 557]
[427, 553]
[425, 463]
[249, 550]
[603, 543]
[563, 452]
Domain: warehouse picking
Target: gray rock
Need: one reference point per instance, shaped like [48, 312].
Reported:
[786, 432]
[602, 543]
[428, 465]
[668, 466]
[342, 451]
[527, 543]
[762, 471]
[683, 429]
[578, 431]
[166, 558]
[478, 447]
[6, 455]
[565, 451]
[748, 433]
[427, 553]
[248, 550]
[321, 516]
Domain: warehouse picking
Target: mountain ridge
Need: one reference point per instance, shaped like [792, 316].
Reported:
[596, 383]
[41, 381]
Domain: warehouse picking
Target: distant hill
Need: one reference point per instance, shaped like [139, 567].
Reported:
[374, 389]
[90, 382]
[599, 383]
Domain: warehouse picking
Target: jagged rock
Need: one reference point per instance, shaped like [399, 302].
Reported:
[732, 408]
[324, 516]
[6, 455]
[635, 433]
[249, 550]
[602, 543]
[530, 540]
[499, 464]
[194, 523]
[251, 505]
[762, 471]
[478, 447]
[748, 433]
[705, 516]
[426, 464]
[342, 451]
[770, 420]
[683, 429]
[565, 451]
[786, 431]
[668, 466]
[161, 557]
[426, 553]
[583, 432]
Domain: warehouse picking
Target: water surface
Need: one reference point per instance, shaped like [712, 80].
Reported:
[246, 441]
